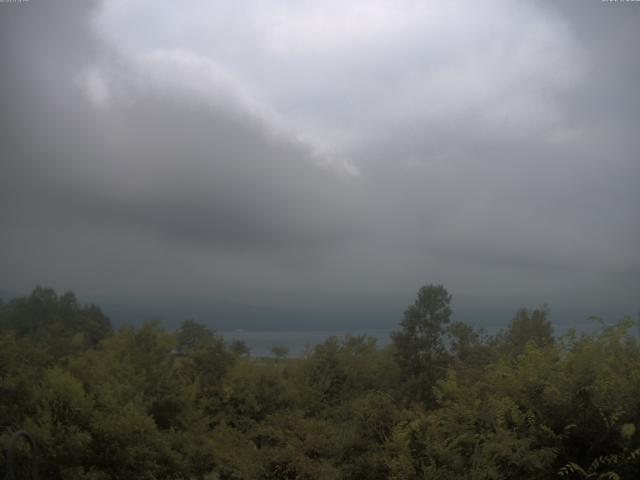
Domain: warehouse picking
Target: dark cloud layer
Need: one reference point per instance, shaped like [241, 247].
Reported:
[184, 175]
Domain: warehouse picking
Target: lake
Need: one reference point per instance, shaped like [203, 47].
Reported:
[261, 342]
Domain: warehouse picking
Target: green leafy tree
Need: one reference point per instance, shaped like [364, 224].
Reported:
[143, 402]
[59, 324]
[529, 326]
[420, 350]
[193, 336]
[240, 348]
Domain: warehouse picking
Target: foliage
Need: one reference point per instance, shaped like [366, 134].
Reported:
[441, 401]
[420, 349]
[528, 327]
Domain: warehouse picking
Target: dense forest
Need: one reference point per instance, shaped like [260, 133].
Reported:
[441, 401]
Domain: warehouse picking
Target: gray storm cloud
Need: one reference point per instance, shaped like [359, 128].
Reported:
[323, 156]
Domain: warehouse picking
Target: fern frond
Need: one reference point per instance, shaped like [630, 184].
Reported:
[609, 476]
[571, 468]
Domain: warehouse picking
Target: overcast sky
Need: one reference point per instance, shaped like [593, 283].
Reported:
[320, 161]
